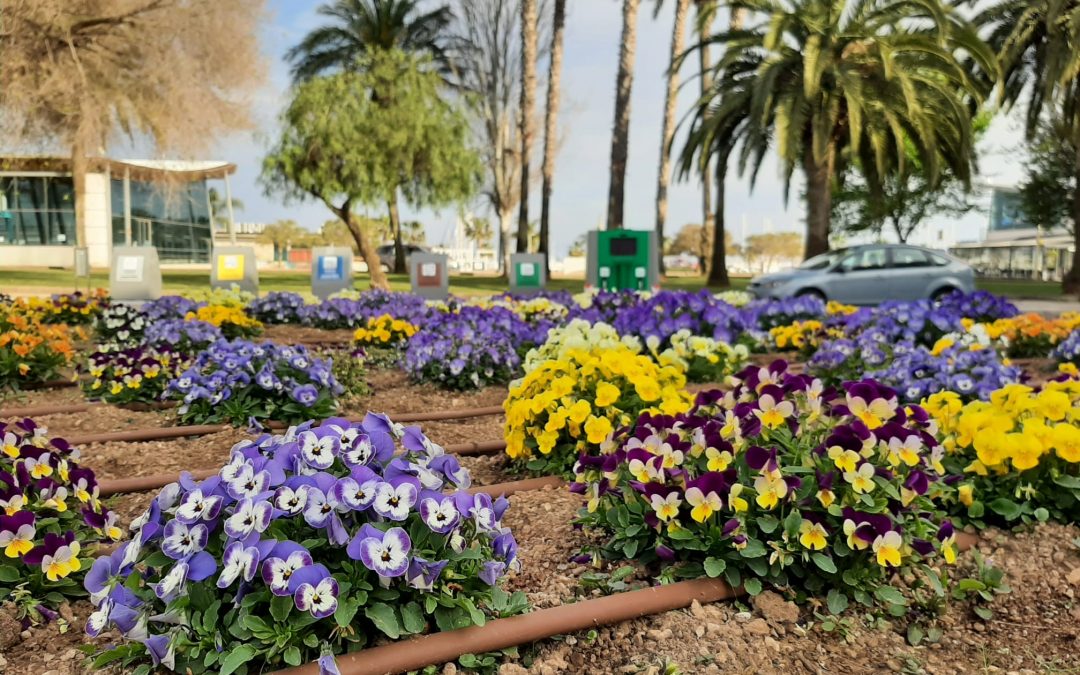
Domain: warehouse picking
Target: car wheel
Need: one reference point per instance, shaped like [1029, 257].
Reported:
[939, 295]
[811, 293]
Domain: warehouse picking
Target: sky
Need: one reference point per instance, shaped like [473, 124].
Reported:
[585, 118]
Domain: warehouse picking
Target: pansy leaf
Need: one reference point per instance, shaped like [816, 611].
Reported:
[292, 656]
[412, 618]
[280, 606]
[890, 595]
[1067, 481]
[1006, 508]
[792, 523]
[236, 658]
[824, 562]
[346, 610]
[714, 567]
[753, 586]
[8, 574]
[836, 601]
[767, 524]
[385, 619]
[753, 549]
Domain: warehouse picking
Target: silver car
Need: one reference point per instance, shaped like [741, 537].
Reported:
[867, 275]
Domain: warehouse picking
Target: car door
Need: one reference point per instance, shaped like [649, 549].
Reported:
[909, 274]
[858, 278]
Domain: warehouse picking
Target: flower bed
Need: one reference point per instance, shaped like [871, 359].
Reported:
[120, 324]
[1017, 455]
[238, 381]
[469, 348]
[278, 307]
[232, 321]
[778, 481]
[49, 513]
[565, 406]
[31, 351]
[184, 336]
[303, 546]
[384, 338]
[133, 375]
[352, 310]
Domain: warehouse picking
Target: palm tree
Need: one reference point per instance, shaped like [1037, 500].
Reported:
[479, 231]
[678, 37]
[219, 209]
[529, 38]
[357, 26]
[839, 83]
[706, 12]
[551, 130]
[620, 135]
[1039, 54]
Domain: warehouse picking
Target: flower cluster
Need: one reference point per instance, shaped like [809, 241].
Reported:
[226, 297]
[703, 359]
[232, 321]
[1028, 335]
[120, 324]
[578, 335]
[352, 310]
[132, 375]
[735, 298]
[49, 511]
[32, 351]
[306, 544]
[277, 307]
[667, 312]
[917, 372]
[238, 381]
[1018, 452]
[980, 306]
[186, 337]
[469, 348]
[845, 359]
[766, 314]
[802, 336]
[1069, 349]
[780, 480]
[169, 307]
[385, 332]
[73, 309]
[565, 406]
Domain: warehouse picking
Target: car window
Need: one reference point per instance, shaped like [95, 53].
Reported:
[823, 261]
[938, 260]
[910, 257]
[865, 259]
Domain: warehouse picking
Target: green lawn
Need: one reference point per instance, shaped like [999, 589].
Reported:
[24, 281]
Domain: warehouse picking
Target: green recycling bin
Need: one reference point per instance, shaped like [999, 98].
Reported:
[622, 260]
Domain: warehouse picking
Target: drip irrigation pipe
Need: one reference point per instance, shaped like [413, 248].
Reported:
[36, 410]
[107, 488]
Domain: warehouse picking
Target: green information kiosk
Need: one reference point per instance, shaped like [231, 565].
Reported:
[622, 260]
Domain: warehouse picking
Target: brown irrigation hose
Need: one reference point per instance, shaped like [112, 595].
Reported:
[421, 651]
[136, 435]
[434, 416]
[34, 411]
[51, 384]
[107, 488]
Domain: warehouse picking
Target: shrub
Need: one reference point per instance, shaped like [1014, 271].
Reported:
[133, 375]
[566, 406]
[120, 324]
[49, 514]
[1017, 456]
[468, 349]
[316, 542]
[779, 481]
[239, 381]
[349, 369]
[232, 321]
[278, 307]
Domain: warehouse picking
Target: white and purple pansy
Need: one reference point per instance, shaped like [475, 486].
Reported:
[182, 541]
[358, 490]
[174, 583]
[395, 499]
[291, 500]
[278, 572]
[319, 450]
[385, 553]
[321, 599]
[238, 562]
[439, 514]
[249, 517]
[196, 506]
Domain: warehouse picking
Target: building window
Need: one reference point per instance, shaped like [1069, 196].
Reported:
[176, 220]
[1007, 212]
[37, 210]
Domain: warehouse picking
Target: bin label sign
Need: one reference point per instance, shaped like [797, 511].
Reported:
[527, 270]
[330, 268]
[230, 267]
[428, 276]
[129, 268]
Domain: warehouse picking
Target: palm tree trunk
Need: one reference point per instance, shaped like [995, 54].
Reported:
[78, 179]
[1070, 283]
[682, 8]
[551, 129]
[620, 135]
[705, 10]
[395, 227]
[367, 251]
[504, 241]
[718, 275]
[528, 102]
[818, 201]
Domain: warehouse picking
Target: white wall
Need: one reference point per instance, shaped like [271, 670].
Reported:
[36, 256]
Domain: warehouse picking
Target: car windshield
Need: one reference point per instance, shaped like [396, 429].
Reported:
[823, 261]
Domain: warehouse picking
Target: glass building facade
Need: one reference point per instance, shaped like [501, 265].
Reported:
[1007, 211]
[37, 210]
[175, 219]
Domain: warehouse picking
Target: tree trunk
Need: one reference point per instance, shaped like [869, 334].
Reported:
[551, 129]
[718, 275]
[504, 242]
[528, 102]
[395, 227]
[682, 8]
[78, 179]
[818, 202]
[705, 9]
[367, 250]
[620, 135]
[1070, 283]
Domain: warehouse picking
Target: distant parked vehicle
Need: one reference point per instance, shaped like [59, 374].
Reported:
[386, 254]
[870, 274]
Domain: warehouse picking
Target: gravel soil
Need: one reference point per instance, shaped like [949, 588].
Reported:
[287, 334]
